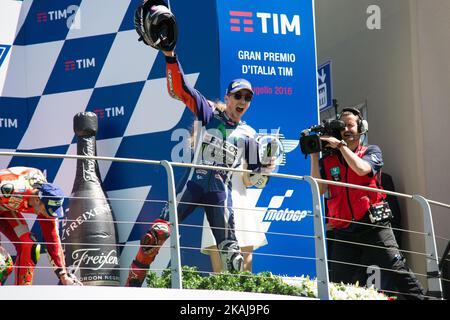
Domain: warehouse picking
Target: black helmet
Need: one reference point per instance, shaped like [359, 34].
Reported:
[156, 26]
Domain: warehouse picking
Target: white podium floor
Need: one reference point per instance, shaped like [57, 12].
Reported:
[37, 292]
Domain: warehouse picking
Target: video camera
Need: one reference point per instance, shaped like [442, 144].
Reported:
[312, 143]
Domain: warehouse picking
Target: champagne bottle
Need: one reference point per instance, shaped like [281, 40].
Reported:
[89, 233]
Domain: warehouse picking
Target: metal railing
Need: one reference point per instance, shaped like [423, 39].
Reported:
[432, 265]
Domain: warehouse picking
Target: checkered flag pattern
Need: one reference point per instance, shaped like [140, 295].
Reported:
[61, 57]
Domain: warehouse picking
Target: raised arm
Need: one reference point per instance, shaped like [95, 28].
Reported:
[180, 89]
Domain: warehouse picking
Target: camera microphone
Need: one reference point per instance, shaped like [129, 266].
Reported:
[316, 128]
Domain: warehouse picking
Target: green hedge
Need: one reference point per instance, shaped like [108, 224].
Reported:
[263, 282]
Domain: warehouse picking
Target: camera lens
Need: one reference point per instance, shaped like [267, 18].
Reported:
[310, 144]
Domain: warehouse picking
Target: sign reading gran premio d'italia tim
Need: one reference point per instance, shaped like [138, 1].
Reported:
[272, 44]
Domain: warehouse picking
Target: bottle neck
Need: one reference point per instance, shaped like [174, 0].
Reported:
[87, 169]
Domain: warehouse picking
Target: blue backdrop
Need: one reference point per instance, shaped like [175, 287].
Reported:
[69, 56]
[273, 45]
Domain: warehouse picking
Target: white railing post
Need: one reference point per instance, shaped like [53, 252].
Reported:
[175, 260]
[433, 274]
[319, 243]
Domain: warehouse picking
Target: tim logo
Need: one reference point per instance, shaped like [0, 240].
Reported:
[8, 123]
[241, 20]
[72, 16]
[275, 23]
[71, 65]
[110, 112]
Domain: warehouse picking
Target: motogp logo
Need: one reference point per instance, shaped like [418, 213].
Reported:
[6, 190]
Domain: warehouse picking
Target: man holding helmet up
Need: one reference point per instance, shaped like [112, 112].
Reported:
[224, 141]
[156, 25]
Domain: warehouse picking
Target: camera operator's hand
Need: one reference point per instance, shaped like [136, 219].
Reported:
[332, 142]
[314, 156]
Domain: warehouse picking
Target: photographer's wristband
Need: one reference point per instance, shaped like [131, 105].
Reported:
[341, 144]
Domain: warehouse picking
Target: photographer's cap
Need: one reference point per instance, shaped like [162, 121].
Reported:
[239, 84]
[53, 198]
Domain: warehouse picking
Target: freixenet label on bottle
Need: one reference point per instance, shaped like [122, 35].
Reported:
[89, 232]
[89, 166]
[97, 264]
[68, 228]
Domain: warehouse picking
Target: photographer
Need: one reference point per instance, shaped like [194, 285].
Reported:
[350, 162]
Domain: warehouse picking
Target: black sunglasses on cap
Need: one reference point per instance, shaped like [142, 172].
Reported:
[247, 97]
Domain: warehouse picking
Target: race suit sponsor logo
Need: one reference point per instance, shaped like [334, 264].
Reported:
[216, 150]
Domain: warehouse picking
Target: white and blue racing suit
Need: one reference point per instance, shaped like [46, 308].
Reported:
[221, 143]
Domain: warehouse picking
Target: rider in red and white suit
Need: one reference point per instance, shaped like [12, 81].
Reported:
[26, 190]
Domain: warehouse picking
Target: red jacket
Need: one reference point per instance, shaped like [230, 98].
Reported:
[349, 203]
